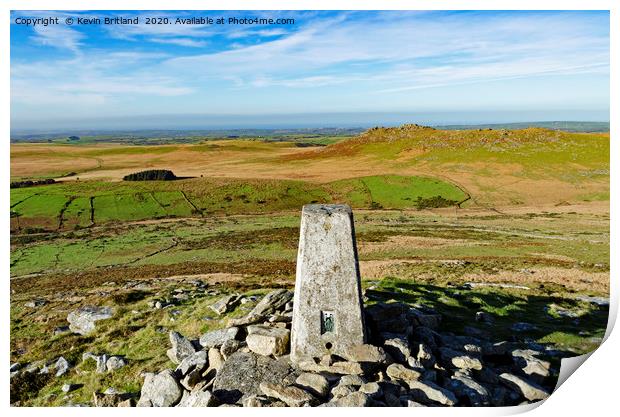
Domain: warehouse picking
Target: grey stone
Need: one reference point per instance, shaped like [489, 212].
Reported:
[365, 353]
[162, 390]
[115, 362]
[341, 368]
[400, 372]
[293, 396]
[428, 392]
[196, 361]
[600, 301]
[425, 355]
[271, 302]
[70, 387]
[229, 347]
[354, 380]
[226, 304]
[192, 378]
[398, 349]
[459, 359]
[262, 401]
[35, 303]
[372, 389]
[528, 389]
[198, 398]
[530, 364]
[243, 373]
[342, 390]
[102, 361]
[467, 387]
[82, 320]
[355, 399]
[62, 366]
[181, 348]
[215, 359]
[327, 307]
[216, 338]
[15, 367]
[315, 384]
[432, 321]
[268, 340]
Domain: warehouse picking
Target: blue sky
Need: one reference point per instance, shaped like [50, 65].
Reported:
[352, 67]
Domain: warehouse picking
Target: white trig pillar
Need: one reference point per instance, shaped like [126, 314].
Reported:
[327, 310]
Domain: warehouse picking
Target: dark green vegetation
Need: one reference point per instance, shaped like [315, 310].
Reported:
[24, 184]
[151, 175]
[74, 205]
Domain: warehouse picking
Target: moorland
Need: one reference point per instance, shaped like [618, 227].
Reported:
[514, 223]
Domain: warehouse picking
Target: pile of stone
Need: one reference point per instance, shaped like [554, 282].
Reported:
[407, 361]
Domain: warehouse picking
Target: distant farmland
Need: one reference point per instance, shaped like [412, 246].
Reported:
[75, 204]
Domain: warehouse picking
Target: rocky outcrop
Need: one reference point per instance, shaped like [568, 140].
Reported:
[404, 364]
[82, 320]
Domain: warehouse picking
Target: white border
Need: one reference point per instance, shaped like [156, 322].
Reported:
[591, 390]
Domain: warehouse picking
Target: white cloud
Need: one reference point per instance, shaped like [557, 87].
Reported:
[60, 37]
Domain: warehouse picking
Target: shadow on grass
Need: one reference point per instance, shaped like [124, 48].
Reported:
[577, 330]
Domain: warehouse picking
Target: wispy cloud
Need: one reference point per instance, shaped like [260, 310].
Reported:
[380, 59]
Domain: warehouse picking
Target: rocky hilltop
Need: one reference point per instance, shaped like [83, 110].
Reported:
[408, 361]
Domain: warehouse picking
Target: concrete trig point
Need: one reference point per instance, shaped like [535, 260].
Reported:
[327, 309]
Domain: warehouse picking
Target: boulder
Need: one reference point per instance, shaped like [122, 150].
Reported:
[62, 366]
[161, 390]
[196, 361]
[115, 362]
[268, 340]
[229, 347]
[397, 348]
[216, 338]
[226, 304]
[459, 359]
[366, 353]
[107, 400]
[354, 380]
[181, 348]
[400, 372]
[315, 384]
[530, 364]
[215, 359]
[342, 390]
[372, 389]
[102, 362]
[340, 368]
[528, 389]
[273, 301]
[466, 387]
[430, 320]
[82, 320]
[242, 374]
[293, 396]
[427, 392]
[198, 398]
[354, 399]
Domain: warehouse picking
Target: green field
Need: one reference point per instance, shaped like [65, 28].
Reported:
[44, 207]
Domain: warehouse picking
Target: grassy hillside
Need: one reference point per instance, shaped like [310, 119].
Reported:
[74, 204]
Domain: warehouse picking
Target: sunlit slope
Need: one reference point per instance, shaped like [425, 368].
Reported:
[524, 166]
[75, 204]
